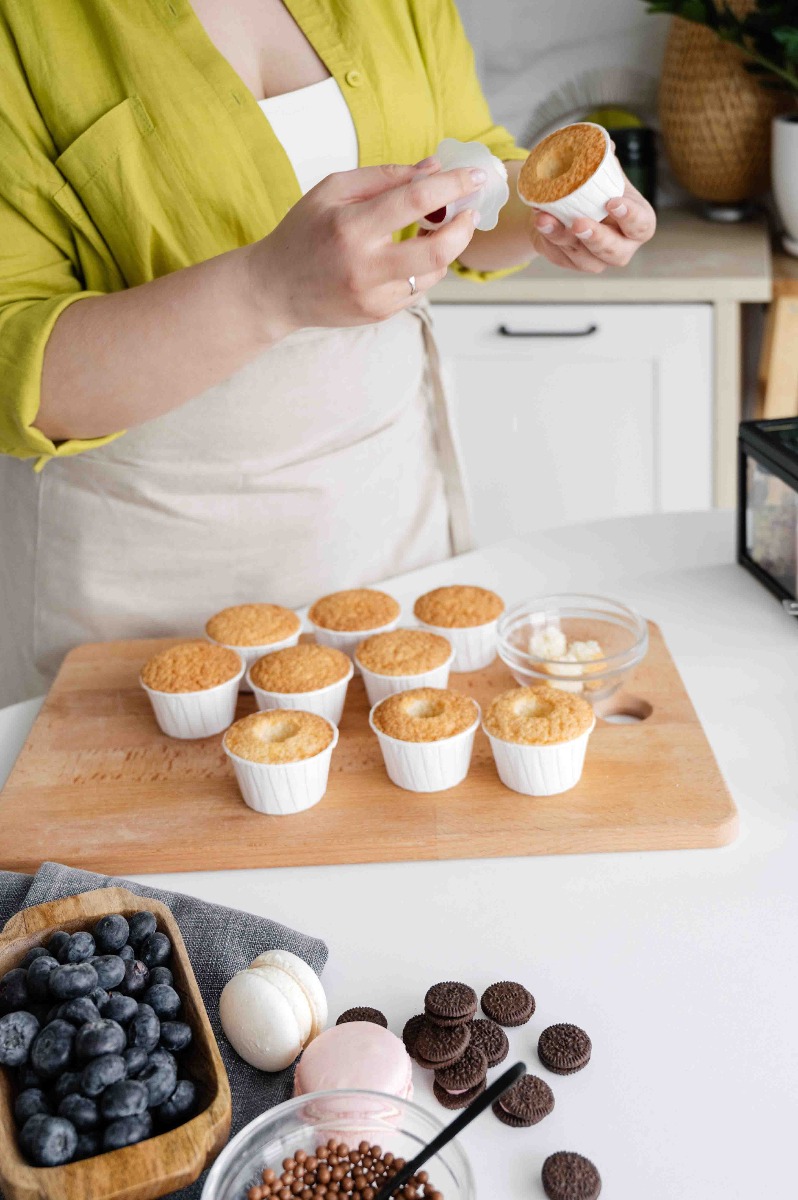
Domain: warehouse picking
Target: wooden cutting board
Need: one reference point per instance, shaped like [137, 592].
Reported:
[97, 785]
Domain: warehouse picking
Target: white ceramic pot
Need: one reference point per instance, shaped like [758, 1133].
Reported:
[785, 177]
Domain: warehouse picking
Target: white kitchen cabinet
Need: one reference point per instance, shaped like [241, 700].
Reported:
[575, 412]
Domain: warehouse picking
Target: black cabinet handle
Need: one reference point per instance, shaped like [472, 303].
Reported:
[505, 331]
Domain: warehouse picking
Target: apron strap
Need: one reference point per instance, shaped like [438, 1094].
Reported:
[460, 524]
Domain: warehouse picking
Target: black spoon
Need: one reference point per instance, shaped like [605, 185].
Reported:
[488, 1097]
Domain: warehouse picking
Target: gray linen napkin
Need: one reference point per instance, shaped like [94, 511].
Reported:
[220, 941]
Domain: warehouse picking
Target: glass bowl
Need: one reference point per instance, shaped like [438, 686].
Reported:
[583, 644]
[307, 1122]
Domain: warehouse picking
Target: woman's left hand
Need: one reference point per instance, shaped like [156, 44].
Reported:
[592, 246]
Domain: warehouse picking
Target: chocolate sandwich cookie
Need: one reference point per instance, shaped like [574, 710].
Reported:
[452, 1101]
[456, 1086]
[508, 1004]
[491, 1040]
[372, 1015]
[570, 1176]
[564, 1049]
[450, 1003]
[526, 1103]
[411, 1031]
[438, 1047]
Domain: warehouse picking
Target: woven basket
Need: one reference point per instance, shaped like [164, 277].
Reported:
[715, 117]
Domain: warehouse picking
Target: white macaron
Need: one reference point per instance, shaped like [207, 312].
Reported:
[305, 977]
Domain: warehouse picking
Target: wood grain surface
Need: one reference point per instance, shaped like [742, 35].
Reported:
[97, 785]
[160, 1164]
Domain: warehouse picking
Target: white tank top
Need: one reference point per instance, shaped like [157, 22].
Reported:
[316, 130]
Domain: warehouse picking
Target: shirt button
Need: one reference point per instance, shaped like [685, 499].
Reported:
[353, 78]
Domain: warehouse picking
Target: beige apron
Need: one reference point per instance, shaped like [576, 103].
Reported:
[328, 462]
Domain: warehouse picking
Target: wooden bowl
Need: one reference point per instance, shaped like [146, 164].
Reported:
[162, 1163]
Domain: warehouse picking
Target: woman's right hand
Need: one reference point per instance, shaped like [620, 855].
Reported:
[332, 261]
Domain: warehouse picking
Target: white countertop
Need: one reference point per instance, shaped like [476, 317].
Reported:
[689, 260]
[681, 965]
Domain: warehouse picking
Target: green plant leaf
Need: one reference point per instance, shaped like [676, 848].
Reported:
[788, 38]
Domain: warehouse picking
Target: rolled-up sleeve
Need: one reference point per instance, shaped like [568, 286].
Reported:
[39, 269]
[464, 111]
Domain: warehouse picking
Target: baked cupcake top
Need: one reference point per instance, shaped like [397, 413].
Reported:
[538, 716]
[425, 714]
[458, 607]
[561, 163]
[403, 652]
[353, 610]
[302, 668]
[253, 625]
[190, 667]
[279, 736]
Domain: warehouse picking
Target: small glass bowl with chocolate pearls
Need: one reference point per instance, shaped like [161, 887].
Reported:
[345, 1143]
[92, 1034]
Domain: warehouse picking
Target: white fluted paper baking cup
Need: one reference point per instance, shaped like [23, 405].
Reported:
[540, 770]
[590, 199]
[474, 645]
[427, 766]
[348, 640]
[378, 687]
[196, 714]
[327, 702]
[282, 789]
[251, 654]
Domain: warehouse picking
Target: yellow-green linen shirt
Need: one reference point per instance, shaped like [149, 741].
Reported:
[129, 148]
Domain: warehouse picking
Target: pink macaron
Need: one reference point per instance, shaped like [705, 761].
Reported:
[356, 1055]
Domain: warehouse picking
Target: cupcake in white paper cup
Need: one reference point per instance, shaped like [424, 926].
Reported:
[344, 619]
[253, 630]
[193, 688]
[281, 759]
[467, 617]
[572, 173]
[307, 676]
[539, 738]
[426, 737]
[401, 660]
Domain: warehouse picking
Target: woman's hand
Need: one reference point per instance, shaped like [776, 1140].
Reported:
[593, 246]
[332, 261]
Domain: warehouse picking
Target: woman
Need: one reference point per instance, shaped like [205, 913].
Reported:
[208, 181]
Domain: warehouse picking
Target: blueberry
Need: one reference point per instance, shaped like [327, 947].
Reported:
[48, 1141]
[145, 1029]
[101, 1072]
[66, 1085]
[159, 1076]
[127, 1131]
[14, 989]
[39, 976]
[175, 1035]
[17, 1033]
[111, 933]
[29, 1103]
[142, 924]
[99, 996]
[179, 1106]
[127, 953]
[81, 1111]
[136, 1058]
[110, 970]
[34, 953]
[54, 1012]
[79, 1011]
[56, 943]
[120, 1008]
[51, 1051]
[135, 979]
[100, 1037]
[88, 1145]
[27, 1078]
[78, 949]
[73, 980]
[164, 999]
[129, 1098]
[156, 950]
[160, 975]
